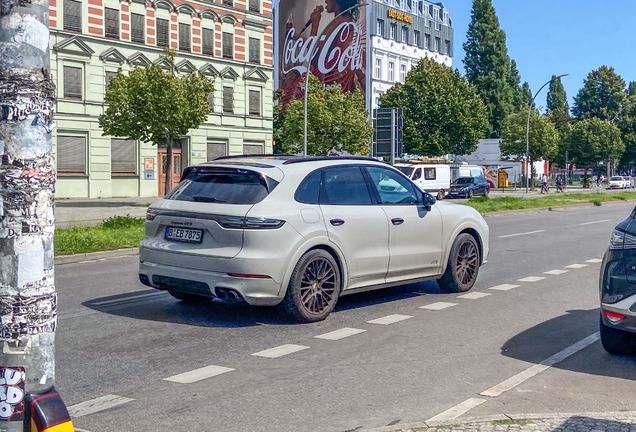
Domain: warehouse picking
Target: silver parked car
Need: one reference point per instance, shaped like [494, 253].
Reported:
[300, 232]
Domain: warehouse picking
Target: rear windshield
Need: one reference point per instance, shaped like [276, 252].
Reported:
[407, 170]
[224, 186]
[463, 180]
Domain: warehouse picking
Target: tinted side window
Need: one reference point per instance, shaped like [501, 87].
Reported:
[345, 186]
[430, 173]
[309, 190]
[392, 187]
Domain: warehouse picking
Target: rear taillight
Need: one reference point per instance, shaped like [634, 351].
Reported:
[614, 317]
[621, 240]
[237, 222]
[150, 215]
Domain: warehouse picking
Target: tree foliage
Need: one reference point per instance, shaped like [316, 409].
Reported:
[526, 93]
[337, 122]
[592, 140]
[557, 99]
[626, 122]
[520, 100]
[543, 137]
[602, 95]
[488, 65]
[155, 105]
[442, 113]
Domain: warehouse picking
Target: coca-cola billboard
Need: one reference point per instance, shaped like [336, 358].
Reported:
[338, 42]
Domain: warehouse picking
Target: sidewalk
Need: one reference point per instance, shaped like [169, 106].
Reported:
[70, 212]
[580, 422]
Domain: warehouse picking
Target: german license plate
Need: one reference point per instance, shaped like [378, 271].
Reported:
[184, 235]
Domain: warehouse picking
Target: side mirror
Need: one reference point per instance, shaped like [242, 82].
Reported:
[428, 200]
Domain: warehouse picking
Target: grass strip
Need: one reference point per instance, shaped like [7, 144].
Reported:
[492, 205]
[115, 233]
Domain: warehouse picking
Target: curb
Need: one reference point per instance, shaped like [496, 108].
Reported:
[555, 208]
[486, 419]
[69, 259]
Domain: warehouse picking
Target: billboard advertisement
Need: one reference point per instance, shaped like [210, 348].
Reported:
[338, 41]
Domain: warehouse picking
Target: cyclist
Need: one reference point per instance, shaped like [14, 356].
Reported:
[559, 184]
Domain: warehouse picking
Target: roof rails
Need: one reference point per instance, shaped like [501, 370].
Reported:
[244, 156]
[321, 158]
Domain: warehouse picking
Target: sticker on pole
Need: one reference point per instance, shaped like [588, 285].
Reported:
[12, 394]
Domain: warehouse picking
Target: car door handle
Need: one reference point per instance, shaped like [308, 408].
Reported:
[397, 221]
[337, 222]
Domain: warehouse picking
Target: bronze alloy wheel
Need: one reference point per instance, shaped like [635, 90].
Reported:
[318, 286]
[466, 265]
[463, 265]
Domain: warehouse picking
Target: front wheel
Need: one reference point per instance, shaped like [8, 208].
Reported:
[486, 192]
[617, 342]
[314, 287]
[441, 194]
[463, 265]
[470, 194]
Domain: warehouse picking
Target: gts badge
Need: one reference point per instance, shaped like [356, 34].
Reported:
[435, 262]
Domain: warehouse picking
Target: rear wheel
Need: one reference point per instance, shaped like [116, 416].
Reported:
[463, 265]
[189, 298]
[470, 194]
[617, 342]
[441, 194]
[314, 287]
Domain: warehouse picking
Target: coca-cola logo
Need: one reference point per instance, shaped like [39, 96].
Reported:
[334, 54]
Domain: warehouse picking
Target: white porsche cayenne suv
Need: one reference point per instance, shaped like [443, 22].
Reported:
[301, 232]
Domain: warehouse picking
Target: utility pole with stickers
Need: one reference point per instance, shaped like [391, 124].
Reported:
[28, 301]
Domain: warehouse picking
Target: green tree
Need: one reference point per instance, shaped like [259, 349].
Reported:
[602, 95]
[488, 65]
[526, 94]
[592, 140]
[442, 112]
[557, 99]
[631, 88]
[154, 105]
[337, 122]
[544, 138]
[626, 122]
[514, 81]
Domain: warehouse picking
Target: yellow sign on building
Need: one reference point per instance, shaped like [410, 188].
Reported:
[400, 16]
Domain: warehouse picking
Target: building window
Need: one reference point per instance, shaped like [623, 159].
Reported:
[137, 28]
[123, 157]
[378, 68]
[255, 50]
[73, 15]
[430, 10]
[427, 41]
[421, 7]
[380, 27]
[391, 71]
[228, 2]
[228, 45]
[447, 48]
[228, 99]
[255, 102]
[377, 101]
[163, 32]
[71, 155]
[416, 38]
[393, 31]
[405, 35]
[211, 101]
[184, 37]
[252, 149]
[409, 5]
[112, 23]
[109, 75]
[216, 150]
[72, 82]
[208, 41]
[398, 3]
[436, 44]
[255, 6]
[402, 73]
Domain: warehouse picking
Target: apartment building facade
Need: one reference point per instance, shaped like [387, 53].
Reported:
[228, 40]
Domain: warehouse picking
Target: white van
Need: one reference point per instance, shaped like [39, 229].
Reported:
[432, 178]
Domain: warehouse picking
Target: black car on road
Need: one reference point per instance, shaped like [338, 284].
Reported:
[468, 187]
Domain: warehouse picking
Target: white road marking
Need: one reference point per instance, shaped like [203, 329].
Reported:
[198, 374]
[531, 279]
[125, 299]
[79, 430]
[520, 234]
[96, 405]
[438, 306]
[538, 368]
[473, 295]
[595, 222]
[86, 262]
[280, 351]
[576, 266]
[504, 287]
[390, 319]
[555, 272]
[457, 410]
[594, 260]
[340, 334]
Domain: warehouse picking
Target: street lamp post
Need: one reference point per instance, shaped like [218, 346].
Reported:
[311, 56]
[528, 129]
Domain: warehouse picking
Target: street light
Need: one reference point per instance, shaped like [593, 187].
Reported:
[311, 56]
[528, 129]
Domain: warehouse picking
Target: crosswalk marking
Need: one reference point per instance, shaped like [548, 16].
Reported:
[280, 351]
[198, 374]
[594, 260]
[96, 405]
[555, 272]
[473, 295]
[438, 306]
[390, 319]
[340, 334]
[531, 279]
[576, 266]
[504, 287]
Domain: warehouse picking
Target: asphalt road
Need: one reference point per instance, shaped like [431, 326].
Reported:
[118, 341]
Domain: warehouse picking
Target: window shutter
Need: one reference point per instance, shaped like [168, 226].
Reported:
[228, 99]
[211, 101]
[163, 32]
[184, 37]
[255, 5]
[71, 154]
[216, 150]
[112, 23]
[255, 50]
[208, 41]
[228, 45]
[255, 102]
[72, 82]
[123, 156]
[73, 15]
[137, 27]
[252, 149]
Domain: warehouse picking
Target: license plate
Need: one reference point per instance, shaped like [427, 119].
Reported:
[184, 235]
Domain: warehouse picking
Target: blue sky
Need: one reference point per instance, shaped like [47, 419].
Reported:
[554, 37]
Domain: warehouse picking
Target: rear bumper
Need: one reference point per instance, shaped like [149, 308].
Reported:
[626, 308]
